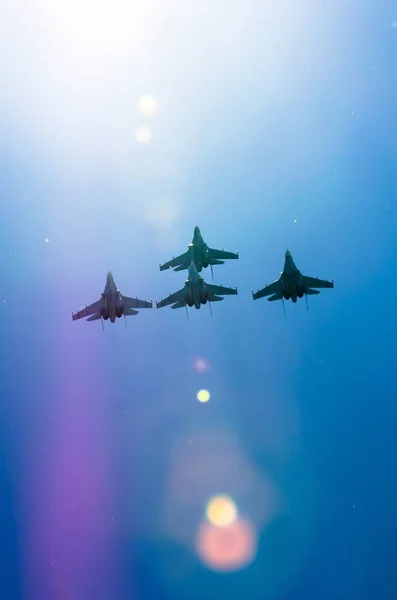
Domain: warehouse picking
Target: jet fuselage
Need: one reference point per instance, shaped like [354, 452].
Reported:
[195, 290]
[291, 280]
[112, 302]
[199, 250]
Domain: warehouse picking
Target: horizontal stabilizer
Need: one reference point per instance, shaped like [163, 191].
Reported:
[310, 292]
[130, 311]
[214, 254]
[275, 297]
[131, 303]
[216, 299]
[314, 282]
[214, 262]
[182, 267]
[179, 304]
[95, 317]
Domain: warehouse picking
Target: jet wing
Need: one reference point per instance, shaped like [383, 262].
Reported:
[268, 290]
[314, 282]
[176, 297]
[182, 262]
[93, 309]
[221, 254]
[219, 290]
[135, 303]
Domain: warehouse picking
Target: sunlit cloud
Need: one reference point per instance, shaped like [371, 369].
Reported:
[147, 105]
[226, 549]
[143, 135]
[221, 511]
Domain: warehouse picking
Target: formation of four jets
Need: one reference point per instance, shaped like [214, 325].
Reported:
[290, 285]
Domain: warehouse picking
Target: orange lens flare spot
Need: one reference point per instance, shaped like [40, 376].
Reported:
[226, 549]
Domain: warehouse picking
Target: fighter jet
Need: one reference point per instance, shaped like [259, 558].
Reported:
[200, 254]
[111, 305]
[292, 284]
[196, 292]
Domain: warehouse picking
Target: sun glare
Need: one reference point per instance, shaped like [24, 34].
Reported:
[99, 28]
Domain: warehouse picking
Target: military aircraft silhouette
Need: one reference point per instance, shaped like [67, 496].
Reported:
[111, 305]
[196, 292]
[202, 256]
[292, 284]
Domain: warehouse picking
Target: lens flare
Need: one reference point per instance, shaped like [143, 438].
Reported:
[226, 549]
[143, 135]
[203, 396]
[201, 365]
[147, 105]
[221, 511]
[163, 213]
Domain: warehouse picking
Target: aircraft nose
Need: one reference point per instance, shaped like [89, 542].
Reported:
[196, 230]
[287, 254]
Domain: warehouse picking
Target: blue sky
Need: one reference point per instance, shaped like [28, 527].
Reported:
[274, 129]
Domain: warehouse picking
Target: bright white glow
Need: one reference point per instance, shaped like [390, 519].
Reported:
[203, 396]
[82, 63]
[147, 105]
[97, 28]
[143, 135]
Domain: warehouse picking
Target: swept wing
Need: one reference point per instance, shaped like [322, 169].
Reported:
[179, 263]
[132, 303]
[268, 290]
[93, 309]
[314, 282]
[177, 298]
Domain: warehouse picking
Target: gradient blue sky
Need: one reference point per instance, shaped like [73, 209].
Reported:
[275, 128]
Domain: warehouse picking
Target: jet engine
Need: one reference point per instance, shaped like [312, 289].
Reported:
[119, 311]
[203, 297]
[189, 300]
[105, 314]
